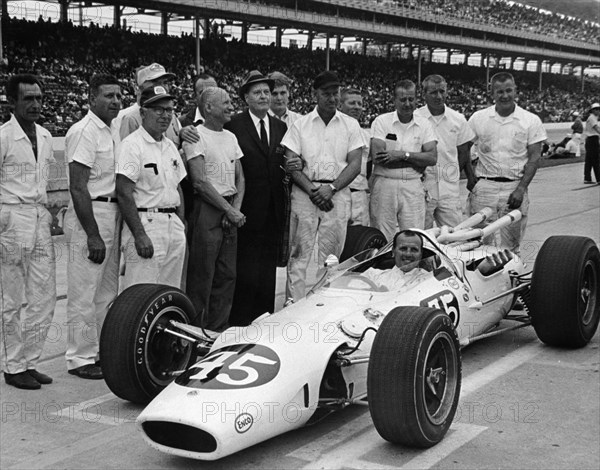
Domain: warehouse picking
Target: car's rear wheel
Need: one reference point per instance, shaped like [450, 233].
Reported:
[414, 376]
[565, 297]
[139, 358]
[360, 238]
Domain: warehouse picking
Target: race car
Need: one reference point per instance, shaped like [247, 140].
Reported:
[348, 341]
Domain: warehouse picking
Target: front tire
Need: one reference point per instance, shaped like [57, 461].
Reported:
[138, 356]
[565, 303]
[414, 376]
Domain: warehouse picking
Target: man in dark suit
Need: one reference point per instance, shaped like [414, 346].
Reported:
[258, 135]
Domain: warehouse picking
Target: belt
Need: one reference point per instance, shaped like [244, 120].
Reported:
[498, 179]
[105, 199]
[165, 210]
[352, 190]
[323, 181]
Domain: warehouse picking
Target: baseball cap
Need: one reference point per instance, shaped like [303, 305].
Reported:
[154, 94]
[575, 113]
[151, 72]
[326, 79]
[595, 105]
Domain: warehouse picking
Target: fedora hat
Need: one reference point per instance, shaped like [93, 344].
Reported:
[253, 77]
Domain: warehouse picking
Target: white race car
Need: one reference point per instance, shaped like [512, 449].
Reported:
[349, 341]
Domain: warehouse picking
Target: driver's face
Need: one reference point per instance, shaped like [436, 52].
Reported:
[408, 249]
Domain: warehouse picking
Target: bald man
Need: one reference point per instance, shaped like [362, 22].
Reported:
[218, 181]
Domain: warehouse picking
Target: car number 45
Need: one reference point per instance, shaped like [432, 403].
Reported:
[237, 368]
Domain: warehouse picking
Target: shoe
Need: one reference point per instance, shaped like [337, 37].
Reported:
[588, 182]
[518, 305]
[41, 378]
[89, 371]
[22, 380]
[289, 301]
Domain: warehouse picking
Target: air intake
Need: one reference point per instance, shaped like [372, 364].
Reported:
[180, 436]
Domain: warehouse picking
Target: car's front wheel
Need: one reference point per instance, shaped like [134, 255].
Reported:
[565, 291]
[414, 376]
[139, 356]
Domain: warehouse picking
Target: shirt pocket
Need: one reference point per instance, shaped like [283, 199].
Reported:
[519, 141]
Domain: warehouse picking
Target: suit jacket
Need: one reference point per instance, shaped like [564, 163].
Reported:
[262, 171]
[188, 118]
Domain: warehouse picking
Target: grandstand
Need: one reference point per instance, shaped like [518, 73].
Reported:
[407, 32]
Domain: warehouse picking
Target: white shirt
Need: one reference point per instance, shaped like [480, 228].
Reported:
[90, 143]
[256, 120]
[324, 148]
[451, 130]
[289, 117]
[502, 142]
[115, 125]
[23, 180]
[395, 279]
[590, 124]
[410, 137]
[360, 183]
[220, 151]
[154, 166]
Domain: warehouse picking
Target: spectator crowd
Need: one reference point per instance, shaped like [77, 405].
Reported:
[65, 56]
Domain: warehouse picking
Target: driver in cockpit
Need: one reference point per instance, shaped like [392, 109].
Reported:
[408, 252]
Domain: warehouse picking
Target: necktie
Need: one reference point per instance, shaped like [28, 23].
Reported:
[263, 134]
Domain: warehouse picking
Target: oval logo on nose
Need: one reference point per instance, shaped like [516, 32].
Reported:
[243, 422]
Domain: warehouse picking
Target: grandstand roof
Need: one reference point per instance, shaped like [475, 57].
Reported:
[384, 23]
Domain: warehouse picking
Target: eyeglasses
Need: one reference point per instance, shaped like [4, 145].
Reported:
[159, 110]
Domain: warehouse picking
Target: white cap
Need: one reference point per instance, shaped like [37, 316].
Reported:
[595, 105]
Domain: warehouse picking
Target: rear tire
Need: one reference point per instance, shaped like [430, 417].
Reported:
[137, 356]
[414, 377]
[565, 304]
[360, 238]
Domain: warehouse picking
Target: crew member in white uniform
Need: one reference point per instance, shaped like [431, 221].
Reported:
[330, 144]
[453, 134]
[402, 145]
[351, 103]
[27, 260]
[92, 225]
[509, 143]
[148, 176]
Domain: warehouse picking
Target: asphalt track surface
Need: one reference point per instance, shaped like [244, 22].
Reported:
[523, 404]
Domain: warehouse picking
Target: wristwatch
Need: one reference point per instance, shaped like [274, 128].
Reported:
[333, 188]
[406, 156]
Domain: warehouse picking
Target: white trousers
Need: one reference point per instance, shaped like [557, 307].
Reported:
[359, 214]
[91, 287]
[167, 234]
[495, 195]
[397, 204]
[446, 210]
[308, 223]
[27, 274]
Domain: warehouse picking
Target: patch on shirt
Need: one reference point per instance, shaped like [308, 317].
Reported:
[175, 163]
